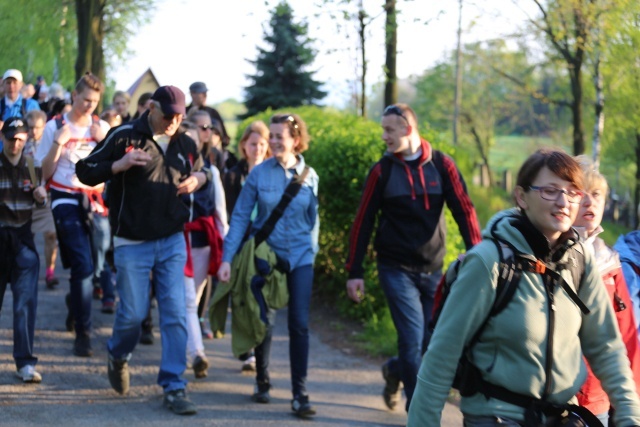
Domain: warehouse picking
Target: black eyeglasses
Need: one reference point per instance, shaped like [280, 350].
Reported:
[396, 111]
[552, 194]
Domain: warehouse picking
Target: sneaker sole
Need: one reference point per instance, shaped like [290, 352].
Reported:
[175, 410]
[305, 414]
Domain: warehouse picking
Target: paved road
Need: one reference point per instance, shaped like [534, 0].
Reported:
[75, 391]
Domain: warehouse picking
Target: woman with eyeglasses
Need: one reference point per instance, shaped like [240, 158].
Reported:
[294, 241]
[587, 224]
[527, 361]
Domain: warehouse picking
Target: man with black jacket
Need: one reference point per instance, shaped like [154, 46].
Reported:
[150, 165]
[408, 187]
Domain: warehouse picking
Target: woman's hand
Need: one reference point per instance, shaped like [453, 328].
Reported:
[224, 272]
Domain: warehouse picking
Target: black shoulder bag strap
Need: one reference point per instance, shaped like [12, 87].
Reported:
[288, 195]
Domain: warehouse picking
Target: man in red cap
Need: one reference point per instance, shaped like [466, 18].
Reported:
[19, 263]
[150, 165]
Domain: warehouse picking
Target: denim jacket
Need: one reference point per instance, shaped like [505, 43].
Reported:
[295, 236]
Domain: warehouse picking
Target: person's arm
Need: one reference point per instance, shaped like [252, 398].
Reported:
[220, 210]
[361, 232]
[51, 146]
[603, 347]
[466, 308]
[109, 158]
[633, 285]
[313, 212]
[459, 202]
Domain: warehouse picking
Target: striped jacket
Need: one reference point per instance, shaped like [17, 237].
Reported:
[16, 193]
[411, 228]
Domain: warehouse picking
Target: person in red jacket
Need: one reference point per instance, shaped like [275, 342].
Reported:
[592, 396]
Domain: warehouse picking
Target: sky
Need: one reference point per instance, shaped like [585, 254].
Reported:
[213, 41]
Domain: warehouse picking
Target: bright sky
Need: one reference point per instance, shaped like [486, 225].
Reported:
[211, 41]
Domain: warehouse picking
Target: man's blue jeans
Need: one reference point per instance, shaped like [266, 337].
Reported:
[166, 258]
[410, 298]
[75, 245]
[299, 283]
[101, 244]
[24, 287]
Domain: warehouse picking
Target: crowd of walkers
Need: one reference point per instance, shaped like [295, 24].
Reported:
[155, 209]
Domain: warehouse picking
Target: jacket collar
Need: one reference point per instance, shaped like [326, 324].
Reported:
[540, 244]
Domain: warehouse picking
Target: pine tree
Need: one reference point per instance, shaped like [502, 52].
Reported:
[281, 79]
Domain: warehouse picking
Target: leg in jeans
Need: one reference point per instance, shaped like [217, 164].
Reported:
[263, 351]
[133, 264]
[101, 243]
[24, 286]
[428, 285]
[168, 273]
[195, 347]
[408, 295]
[76, 242]
[299, 282]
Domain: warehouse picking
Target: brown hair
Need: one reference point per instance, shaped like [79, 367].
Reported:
[557, 161]
[297, 129]
[121, 94]
[37, 114]
[261, 129]
[89, 81]
[112, 117]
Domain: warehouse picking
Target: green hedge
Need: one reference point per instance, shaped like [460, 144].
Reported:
[343, 148]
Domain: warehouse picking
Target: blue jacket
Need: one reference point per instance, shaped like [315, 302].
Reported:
[295, 236]
[628, 246]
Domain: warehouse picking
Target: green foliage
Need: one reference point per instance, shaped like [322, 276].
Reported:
[612, 231]
[281, 77]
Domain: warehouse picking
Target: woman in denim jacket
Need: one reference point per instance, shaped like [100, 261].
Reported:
[294, 240]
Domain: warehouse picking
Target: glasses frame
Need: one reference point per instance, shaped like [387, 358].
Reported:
[541, 188]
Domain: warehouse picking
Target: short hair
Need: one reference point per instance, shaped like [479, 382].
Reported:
[592, 178]
[144, 98]
[36, 114]
[193, 113]
[121, 94]
[258, 127]
[557, 161]
[56, 90]
[89, 81]
[407, 113]
[297, 128]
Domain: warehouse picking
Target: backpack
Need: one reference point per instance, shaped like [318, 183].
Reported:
[468, 379]
[3, 107]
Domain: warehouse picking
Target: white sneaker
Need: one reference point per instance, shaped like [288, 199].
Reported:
[249, 365]
[28, 374]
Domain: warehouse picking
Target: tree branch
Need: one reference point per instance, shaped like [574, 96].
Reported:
[532, 92]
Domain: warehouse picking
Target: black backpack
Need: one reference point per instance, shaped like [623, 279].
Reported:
[468, 379]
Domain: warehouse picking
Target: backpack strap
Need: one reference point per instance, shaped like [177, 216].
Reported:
[3, 106]
[23, 108]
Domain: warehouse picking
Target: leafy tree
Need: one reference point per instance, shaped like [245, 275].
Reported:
[391, 47]
[281, 79]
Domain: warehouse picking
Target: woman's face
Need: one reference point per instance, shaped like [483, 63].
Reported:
[591, 209]
[281, 142]
[551, 217]
[255, 148]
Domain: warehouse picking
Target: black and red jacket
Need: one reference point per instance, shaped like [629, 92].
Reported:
[411, 228]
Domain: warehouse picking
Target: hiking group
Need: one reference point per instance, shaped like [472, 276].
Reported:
[535, 325]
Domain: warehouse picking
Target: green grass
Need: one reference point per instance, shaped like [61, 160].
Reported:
[612, 232]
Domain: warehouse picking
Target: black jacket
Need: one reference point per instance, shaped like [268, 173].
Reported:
[143, 201]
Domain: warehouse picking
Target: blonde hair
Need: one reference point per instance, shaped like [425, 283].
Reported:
[261, 129]
[593, 179]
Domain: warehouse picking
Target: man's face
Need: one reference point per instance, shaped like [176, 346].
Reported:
[394, 133]
[36, 128]
[12, 147]
[121, 105]
[199, 99]
[11, 88]
[163, 124]
[85, 102]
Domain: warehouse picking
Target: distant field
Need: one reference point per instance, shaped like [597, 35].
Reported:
[510, 151]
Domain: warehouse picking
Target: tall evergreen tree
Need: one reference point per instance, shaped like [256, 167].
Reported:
[281, 79]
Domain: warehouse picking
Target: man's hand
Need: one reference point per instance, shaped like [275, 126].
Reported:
[96, 131]
[135, 157]
[62, 135]
[192, 183]
[224, 272]
[355, 289]
[40, 194]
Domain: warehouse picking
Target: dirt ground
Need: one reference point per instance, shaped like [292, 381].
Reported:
[344, 384]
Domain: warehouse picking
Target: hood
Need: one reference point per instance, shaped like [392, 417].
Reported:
[628, 246]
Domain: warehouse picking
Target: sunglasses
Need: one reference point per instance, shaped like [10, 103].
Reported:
[206, 127]
[396, 111]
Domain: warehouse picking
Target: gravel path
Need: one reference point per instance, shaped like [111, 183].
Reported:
[75, 391]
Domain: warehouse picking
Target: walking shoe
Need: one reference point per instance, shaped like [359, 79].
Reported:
[249, 365]
[200, 366]
[261, 394]
[146, 338]
[82, 346]
[28, 374]
[391, 393]
[68, 322]
[118, 372]
[178, 403]
[301, 407]
[97, 293]
[108, 307]
[51, 282]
